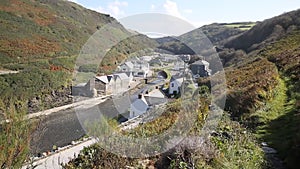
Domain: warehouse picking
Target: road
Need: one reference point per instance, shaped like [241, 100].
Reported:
[60, 126]
[54, 160]
[63, 127]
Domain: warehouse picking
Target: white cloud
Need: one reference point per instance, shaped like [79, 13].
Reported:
[153, 7]
[114, 8]
[172, 9]
[188, 11]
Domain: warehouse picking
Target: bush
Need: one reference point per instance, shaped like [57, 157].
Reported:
[88, 68]
[14, 136]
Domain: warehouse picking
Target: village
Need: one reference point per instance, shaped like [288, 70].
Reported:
[150, 80]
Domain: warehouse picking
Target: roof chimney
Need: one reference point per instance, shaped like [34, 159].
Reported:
[140, 96]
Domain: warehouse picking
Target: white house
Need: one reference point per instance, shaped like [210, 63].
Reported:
[121, 83]
[175, 84]
[146, 58]
[126, 67]
[141, 69]
[155, 97]
[136, 67]
[178, 65]
[145, 102]
[138, 107]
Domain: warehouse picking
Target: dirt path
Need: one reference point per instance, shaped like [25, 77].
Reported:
[3, 72]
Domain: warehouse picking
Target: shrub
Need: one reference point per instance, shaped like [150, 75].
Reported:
[14, 136]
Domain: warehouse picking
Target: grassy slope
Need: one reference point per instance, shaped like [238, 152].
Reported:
[43, 40]
[270, 104]
[279, 119]
[250, 85]
[39, 29]
[265, 32]
[218, 34]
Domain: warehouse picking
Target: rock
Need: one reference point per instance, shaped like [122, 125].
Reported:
[214, 134]
[264, 144]
[227, 135]
[269, 150]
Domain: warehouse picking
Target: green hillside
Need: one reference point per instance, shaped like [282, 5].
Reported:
[266, 32]
[269, 101]
[45, 29]
[42, 39]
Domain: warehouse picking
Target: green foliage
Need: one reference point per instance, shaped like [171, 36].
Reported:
[174, 46]
[239, 150]
[250, 85]
[88, 68]
[31, 83]
[65, 62]
[278, 121]
[38, 29]
[120, 52]
[265, 32]
[15, 135]
[98, 158]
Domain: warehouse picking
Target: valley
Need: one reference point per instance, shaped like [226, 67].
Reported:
[50, 97]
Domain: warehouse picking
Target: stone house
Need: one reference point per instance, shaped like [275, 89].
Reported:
[121, 83]
[200, 68]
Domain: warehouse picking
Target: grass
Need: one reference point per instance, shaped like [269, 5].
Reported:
[250, 85]
[241, 26]
[272, 109]
[240, 150]
[277, 124]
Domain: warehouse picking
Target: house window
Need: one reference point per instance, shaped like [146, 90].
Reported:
[172, 85]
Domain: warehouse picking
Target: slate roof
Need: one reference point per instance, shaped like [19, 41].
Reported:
[129, 64]
[201, 62]
[123, 76]
[103, 79]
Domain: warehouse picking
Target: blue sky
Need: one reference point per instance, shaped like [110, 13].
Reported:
[197, 12]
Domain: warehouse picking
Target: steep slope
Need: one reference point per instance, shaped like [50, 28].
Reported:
[42, 39]
[47, 28]
[266, 32]
[218, 34]
[279, 122]
[262, 72]
[274, 101]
